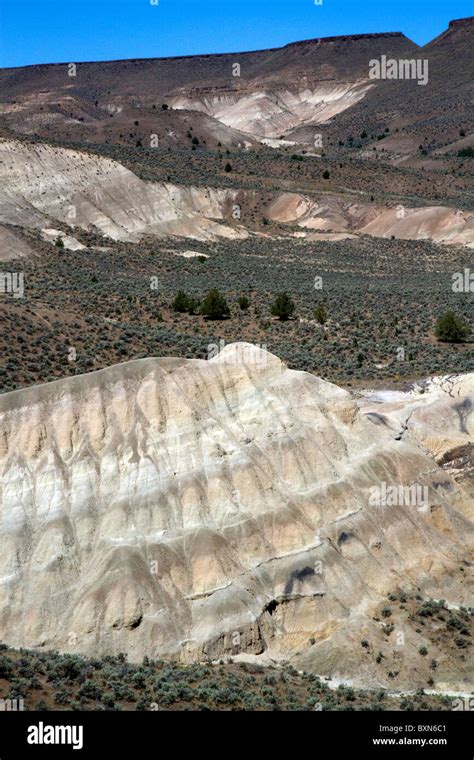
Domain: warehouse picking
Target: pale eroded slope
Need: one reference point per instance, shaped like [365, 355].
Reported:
[40, 182]
[195, 509]
[272, 112]
[337, 214]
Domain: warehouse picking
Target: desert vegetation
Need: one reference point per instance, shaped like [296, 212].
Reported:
[85, 310]
[51, 681]
[444, 636]
[451, 328]
[265, 169]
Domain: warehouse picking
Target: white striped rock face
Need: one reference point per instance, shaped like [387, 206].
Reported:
[271, 112]
[196, 509]
[39, 182]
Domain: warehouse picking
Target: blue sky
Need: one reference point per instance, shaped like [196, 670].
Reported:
[48, 31]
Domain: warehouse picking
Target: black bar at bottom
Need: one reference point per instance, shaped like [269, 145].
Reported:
[370, 734]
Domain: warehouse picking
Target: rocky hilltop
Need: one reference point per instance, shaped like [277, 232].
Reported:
[199, 509]
[237, 97]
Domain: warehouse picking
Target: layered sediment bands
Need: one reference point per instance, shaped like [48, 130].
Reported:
[41, 182]
[265, 112]
[337, 214]
[194, 509]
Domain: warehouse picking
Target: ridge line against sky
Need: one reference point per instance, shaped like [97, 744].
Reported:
[62, 31]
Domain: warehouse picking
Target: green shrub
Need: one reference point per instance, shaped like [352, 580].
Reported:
[90, 690]
[451, 328]
[193, 306]
[6, 668]
[71, 667]
[243, 302]
[320, 315]
[214, 305]
[61, 697]
[283, 307]
[108, 700]
[181, 302]
[138, 680]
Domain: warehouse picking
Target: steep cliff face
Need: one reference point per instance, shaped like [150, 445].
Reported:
[195, 509]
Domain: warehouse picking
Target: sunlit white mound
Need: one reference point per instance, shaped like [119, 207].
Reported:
[198, 509]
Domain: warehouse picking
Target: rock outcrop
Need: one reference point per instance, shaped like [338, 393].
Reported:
[194, 509]
[40, 184]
